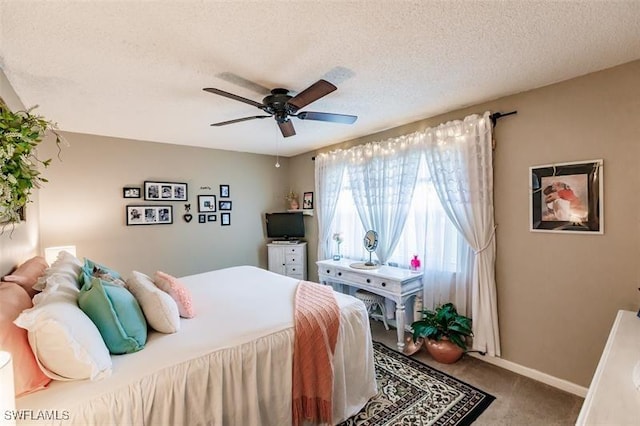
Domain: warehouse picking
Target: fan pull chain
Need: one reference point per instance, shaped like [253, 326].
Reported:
[277, 152]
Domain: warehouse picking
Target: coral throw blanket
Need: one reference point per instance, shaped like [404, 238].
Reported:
[317, 318]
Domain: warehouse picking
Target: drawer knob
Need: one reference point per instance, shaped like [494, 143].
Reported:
[384, 284]
[368, 280]
[328, 271]
[293, 260]
[339, 274]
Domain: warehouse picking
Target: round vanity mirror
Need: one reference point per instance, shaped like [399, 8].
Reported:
[370, 244]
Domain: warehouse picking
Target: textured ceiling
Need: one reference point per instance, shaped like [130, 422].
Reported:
[136, 69]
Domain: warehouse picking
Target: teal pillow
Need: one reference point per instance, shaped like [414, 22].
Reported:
[116, 313]
[92, 269]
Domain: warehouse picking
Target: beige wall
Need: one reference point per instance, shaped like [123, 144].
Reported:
[18, 243]
[558, 294]
[83, 205]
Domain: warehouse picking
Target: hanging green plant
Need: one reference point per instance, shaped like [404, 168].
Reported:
[20, 134]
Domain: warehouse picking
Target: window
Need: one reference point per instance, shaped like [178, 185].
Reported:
[427, 231]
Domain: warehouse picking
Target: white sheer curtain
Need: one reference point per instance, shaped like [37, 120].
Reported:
[444, 253]
[329, 171]
[382, 176]
[459, 157]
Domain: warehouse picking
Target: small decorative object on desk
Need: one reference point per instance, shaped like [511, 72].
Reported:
[415, 264]
[337, 237]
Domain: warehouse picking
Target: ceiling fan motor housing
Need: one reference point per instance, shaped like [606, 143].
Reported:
[276, 104]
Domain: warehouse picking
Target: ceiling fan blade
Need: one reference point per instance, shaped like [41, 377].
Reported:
[286, 127]
[243, 82]
[327, 116]
[238, 120]
[234, 97]
[312, 93]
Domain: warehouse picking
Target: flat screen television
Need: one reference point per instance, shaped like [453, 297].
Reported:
[285, 226]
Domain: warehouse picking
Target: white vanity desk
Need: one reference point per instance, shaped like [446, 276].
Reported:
[393, 283]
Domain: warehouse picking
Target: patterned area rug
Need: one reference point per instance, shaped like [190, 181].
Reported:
[412, 393]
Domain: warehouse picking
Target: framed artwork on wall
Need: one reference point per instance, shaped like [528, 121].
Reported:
[165, 191]
[307, 200]
[130, 192]
[225, 205]
[225, 219]
[149, 215]
[212, 218]
[567, 197]
[206, 203]
[224, 191]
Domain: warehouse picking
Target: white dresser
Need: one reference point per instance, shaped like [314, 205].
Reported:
[288, 259]
[612, 398]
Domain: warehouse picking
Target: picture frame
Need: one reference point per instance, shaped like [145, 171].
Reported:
[224, 205]
[212, 218]
[206, 203]
[165, 191]
[567, 197]
[225, 219]
[202, 218]
[131, 192]
[224, 191]
[149, 214]
[307, 201]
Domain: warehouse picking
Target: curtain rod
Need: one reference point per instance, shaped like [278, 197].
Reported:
[498, 115]
[494, 119]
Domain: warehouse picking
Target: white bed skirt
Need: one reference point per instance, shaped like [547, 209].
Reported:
[231, 365]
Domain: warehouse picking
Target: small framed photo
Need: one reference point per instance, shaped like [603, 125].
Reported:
[212, 218]
[224, 191]
[567, 197]
[149, 215]
[225, 205]
[225, 219]
[165, 191]
[202, 218]
[130, 192]
[206, 203]
[307, 200]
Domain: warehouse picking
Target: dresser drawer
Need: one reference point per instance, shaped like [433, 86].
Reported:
[292, 270]
[297, 251]
[373, 282]
[293, 259]
[327, 271]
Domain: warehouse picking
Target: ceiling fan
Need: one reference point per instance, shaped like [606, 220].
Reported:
[282, 106]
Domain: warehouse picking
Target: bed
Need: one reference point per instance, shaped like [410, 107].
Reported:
[230, 365]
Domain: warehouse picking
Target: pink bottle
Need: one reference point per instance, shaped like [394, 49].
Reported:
[415, 263]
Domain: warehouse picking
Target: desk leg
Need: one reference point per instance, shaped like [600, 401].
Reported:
[400, 324]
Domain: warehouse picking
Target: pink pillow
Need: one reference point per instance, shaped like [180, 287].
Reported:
[177, 291]
[27, 375]
[28, 273]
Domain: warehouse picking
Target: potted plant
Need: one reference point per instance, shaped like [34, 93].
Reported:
[20, 134]
[444, 332]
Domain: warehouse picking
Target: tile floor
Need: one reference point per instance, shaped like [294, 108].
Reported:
[520, 401]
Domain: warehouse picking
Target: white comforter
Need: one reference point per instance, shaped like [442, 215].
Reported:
[231, 365]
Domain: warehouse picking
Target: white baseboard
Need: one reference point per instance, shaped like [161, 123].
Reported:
[534, 374]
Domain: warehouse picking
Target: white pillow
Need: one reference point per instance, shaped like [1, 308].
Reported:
[66, 343]
[158, 307]
[66, 266]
